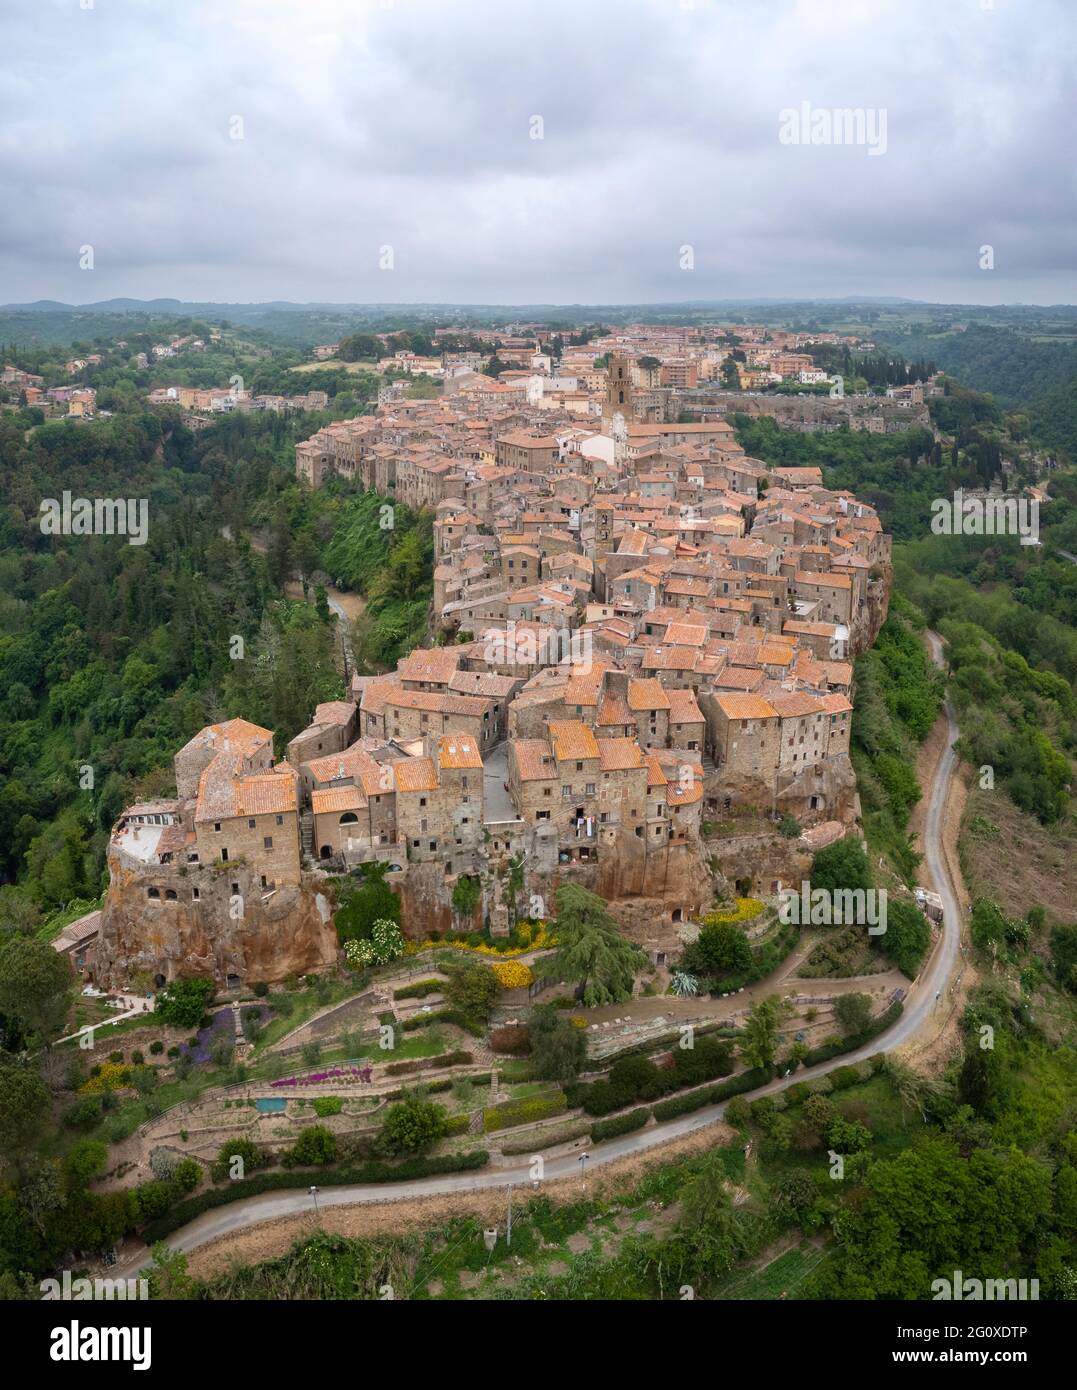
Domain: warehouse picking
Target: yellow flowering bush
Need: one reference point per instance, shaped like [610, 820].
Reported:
[112, 1077]
[745, 910]
[512, 974]
[540, 938]
[577, 1021]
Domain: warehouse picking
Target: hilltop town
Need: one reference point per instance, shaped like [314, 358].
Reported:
[637, 633]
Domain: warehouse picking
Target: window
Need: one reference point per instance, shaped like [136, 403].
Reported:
[546, 791]
[422, 800]
[224, 856]
[267, 841]
[579, 767]
[280, 820]
[235, 890]
[265, 881]
[433, 844]
[591, 789]
[153, 892]
[196, 893]
[566, 793]
[250, 823]
[216, 825]
[170, 895]
[542, 815]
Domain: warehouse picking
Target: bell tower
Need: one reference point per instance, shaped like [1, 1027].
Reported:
[618, 389]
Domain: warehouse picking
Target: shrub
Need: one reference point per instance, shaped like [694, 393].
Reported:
[524, 1111]
[620, 1124]
[173, 1051]
[471, 991]
[327, 1105]
[413, 1126]
[311, 1053]
[184, 1002]
[512, 974]
[314, 1147]
[138, 1058]
[261, 989]
[84, 1114]
[156, 1047]
[419, 990]
[116, 1057]
[250, 1157]
[738, 1112]
[186, 1175]
[514, 1039]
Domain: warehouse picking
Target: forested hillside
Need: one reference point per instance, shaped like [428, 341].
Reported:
[112, 654]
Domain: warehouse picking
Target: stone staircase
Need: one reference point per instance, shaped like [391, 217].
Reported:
[306, 833]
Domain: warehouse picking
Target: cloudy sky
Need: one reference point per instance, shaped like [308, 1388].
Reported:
[270, 149]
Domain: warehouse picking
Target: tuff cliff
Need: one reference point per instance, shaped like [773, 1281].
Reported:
[289, 932]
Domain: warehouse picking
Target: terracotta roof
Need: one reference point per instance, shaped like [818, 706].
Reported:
[745, 707]
[533, 760]
[683, 708]
[334, 712]
[647, 694]
[458, 750]
[337, 799]
[415, 775]
[571, 739]
[265, 793]
[618, 754]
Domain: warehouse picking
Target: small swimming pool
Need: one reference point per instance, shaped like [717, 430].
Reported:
[270, 1104]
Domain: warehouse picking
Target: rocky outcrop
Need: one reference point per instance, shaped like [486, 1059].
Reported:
[267, 937]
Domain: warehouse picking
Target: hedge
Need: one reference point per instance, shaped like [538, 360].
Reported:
[442, 1016]
[621, 1124]
[373, 1172]
[713, 1095]
[825, 1051]
[523, 1111]
[430, 1087]
[420, 989]
[457, 1124]
[445, 1059]
[643, 1080]
[529, 1143]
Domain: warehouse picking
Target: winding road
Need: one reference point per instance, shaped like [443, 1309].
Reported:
[923, 998]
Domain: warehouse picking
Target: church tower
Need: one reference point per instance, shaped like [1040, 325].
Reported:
[618, 389]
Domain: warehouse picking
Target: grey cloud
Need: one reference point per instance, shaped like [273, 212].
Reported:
[408, 125]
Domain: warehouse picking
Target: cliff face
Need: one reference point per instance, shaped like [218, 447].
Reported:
[289, 932]
[876, 606]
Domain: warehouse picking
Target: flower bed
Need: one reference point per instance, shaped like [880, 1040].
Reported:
[512, 974]
[349, 1075]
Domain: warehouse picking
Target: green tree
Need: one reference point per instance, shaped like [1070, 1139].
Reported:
[24, 1106]
[841, 865]
[184, 1002]
[35, 986]
[413, 1126]
[760, 1036]
[591, 952]
[558, 1049]
[314, 1146]
[853, 1012]
[471, 990]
